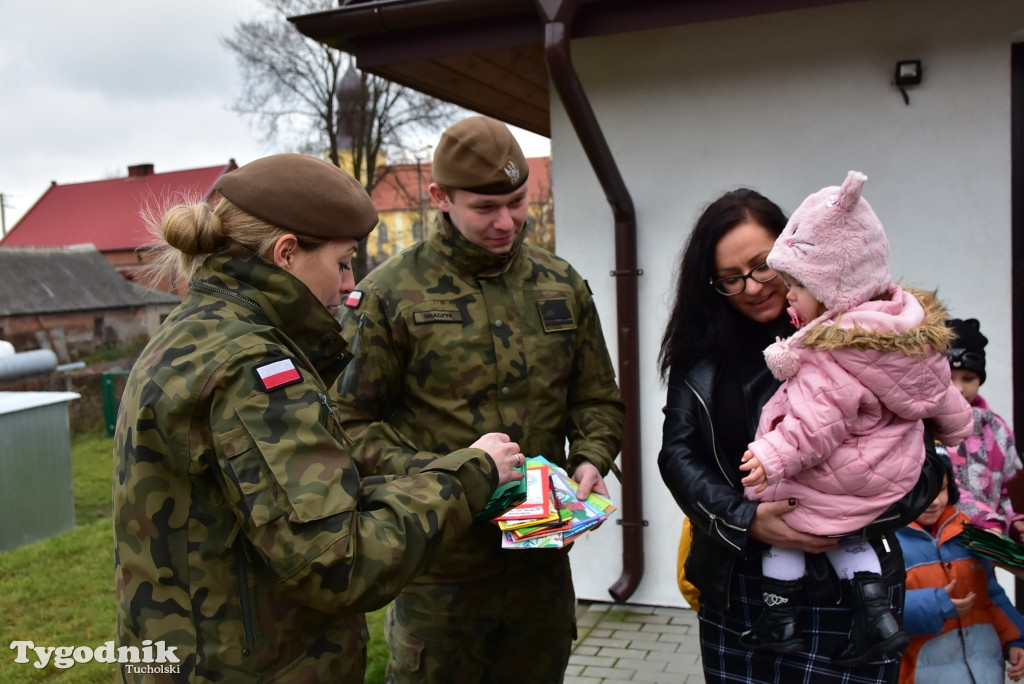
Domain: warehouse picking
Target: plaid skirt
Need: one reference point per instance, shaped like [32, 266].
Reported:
[825, 630]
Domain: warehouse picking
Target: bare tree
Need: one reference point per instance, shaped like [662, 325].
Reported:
[311, 97]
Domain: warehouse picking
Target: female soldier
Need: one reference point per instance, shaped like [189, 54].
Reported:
[246, 541]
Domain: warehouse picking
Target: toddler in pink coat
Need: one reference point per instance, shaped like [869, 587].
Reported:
[844, 434]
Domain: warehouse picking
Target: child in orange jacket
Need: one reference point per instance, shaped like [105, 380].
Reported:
[961, 624]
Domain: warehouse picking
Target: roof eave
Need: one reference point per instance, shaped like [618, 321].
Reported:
[487, 55]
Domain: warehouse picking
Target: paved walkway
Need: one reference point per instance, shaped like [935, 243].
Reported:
[632, 643]
[627, 643]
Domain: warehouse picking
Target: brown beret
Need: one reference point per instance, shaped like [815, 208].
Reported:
[302, 195]
[480, 154]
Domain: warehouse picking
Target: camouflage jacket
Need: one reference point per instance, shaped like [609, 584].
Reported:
[244, 534]
[451, 341]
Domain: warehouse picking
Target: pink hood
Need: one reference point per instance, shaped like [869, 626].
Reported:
[844, 434]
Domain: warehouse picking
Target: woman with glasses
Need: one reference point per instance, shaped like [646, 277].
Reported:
[729, 306]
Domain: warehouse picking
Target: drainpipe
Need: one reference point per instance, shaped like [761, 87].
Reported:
[557, 16]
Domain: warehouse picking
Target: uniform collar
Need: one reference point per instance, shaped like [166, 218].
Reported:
[472, 259]
[284, 300]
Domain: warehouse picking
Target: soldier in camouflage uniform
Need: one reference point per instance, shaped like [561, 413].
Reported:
[246, 539]
[475, 329]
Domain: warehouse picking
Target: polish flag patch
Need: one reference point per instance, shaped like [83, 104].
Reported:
[277, 374]
[353, 299]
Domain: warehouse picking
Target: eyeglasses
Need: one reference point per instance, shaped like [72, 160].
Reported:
[733, 285]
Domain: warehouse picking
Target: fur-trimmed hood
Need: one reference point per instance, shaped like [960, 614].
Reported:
[908, 321]
[848, 331]
[844, 435]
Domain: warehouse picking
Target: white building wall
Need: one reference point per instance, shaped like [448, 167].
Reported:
[787, 103]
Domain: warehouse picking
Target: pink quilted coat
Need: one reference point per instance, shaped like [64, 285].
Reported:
[844, 435]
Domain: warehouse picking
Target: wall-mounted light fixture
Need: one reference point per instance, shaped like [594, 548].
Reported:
[908, 73]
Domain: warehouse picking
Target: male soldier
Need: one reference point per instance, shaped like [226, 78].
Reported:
[475, 330]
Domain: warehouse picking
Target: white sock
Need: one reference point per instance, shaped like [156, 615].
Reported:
[783, 564]
[853, 555]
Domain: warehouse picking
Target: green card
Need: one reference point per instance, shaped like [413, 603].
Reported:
[505, 497]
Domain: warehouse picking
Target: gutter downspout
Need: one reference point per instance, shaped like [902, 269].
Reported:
[557, 16]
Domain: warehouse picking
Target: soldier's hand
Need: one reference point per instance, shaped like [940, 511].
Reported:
[588, 477]
[505, 453]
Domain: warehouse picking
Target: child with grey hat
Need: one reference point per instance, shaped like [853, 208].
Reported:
[987, 460]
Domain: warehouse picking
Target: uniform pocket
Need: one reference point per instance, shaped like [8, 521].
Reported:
[245, 468]
[306, 471]
[406, 650]
[243, 461]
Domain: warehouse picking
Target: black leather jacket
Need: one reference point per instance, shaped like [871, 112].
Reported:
[706, 485]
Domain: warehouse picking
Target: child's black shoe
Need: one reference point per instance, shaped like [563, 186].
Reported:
[875, 631]
[777, 627]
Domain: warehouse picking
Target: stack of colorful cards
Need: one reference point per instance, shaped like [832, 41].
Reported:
[551, 516]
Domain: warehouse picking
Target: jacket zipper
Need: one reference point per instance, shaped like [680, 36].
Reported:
[715, 520]
[199, 285]
[244, 605]
[714, 448]
[307, 364]
[732, 563]
[333, 412]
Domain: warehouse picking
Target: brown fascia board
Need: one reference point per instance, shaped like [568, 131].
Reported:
[347, 26]
[344, 26]
[607, 17]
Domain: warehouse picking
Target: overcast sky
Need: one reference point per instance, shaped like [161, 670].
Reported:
[90, 88]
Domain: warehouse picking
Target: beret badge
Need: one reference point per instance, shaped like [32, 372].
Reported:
[512, 171]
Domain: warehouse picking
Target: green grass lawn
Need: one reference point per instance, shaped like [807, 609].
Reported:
[60, 591]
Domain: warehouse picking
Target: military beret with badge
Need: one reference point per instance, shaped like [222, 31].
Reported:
[479, 154]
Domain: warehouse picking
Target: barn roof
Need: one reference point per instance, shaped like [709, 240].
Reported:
[50, 280]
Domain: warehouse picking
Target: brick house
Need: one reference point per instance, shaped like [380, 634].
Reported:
[73, 302]
[106, 213]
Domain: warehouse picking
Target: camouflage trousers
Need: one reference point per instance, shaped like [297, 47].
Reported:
[514, 627]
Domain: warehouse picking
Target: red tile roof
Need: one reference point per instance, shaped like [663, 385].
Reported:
[398, 188]
[106, 212]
